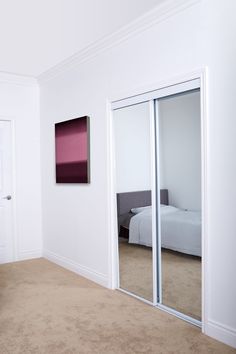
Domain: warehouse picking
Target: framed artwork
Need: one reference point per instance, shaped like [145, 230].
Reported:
[72, 151]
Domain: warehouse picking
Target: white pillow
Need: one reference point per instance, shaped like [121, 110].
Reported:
[167, 209]
[140, 209]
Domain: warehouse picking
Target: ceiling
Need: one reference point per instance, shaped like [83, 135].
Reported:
[35, 35]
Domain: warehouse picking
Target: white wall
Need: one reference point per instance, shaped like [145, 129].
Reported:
[218, 50]
[132, 148]
[180, 149]
[76, 217]
[19, 101]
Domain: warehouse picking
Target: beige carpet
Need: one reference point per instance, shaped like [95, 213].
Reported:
[46, 309]
[135, 263]
[181, 277]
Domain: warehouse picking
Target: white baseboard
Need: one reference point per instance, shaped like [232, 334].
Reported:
[77, 268]
[221, 332]
[30, 254]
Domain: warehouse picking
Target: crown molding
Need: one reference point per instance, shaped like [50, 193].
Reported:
[158, 14]
[15, 79]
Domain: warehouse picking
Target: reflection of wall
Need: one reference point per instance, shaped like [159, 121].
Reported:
[180, 150]
[132, 148]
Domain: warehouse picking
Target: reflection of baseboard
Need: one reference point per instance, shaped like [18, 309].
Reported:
[221, 332]
[77, 268]
[30, 254]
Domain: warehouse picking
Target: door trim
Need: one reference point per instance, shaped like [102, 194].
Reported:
[5, 118]
[201, 75]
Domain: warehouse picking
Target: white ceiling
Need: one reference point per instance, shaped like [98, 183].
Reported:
[35, 35]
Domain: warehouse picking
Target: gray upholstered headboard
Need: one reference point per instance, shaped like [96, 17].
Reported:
[128, 200]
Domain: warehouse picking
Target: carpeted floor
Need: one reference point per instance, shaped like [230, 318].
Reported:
[181, 277]
[46, 309]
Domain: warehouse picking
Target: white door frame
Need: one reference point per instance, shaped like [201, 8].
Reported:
[5, 118]
[200, 74]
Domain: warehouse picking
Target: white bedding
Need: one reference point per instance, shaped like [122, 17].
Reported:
[180, 229]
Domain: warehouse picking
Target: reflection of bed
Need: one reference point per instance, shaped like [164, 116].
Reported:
[180, 229]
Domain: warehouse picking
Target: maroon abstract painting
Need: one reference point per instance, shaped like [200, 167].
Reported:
[72, 151]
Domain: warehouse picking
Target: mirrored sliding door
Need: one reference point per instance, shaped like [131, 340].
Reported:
[180, 219]
[133, 192]
[158, 161]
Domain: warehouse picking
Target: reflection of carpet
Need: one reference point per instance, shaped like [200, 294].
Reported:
[181, 276]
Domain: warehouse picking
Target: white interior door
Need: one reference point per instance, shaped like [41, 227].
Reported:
[6, 214]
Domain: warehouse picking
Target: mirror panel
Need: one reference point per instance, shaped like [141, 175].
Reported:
[133, 187]
[180, 175]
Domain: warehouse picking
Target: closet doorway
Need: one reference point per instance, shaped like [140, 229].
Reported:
[159, 192]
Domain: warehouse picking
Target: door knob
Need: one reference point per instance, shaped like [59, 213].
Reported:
[8, 197]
